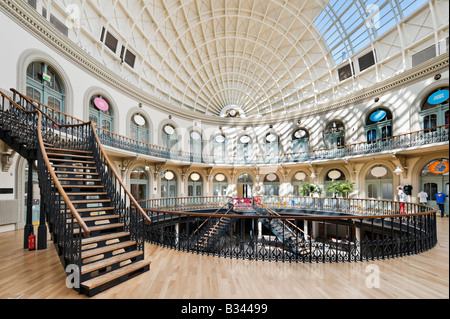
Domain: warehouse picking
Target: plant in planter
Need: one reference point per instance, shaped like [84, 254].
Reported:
[340, 188]
[307, 189]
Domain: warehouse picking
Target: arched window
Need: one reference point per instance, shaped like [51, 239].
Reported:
[45, 86]
[300, 145]
[139, 184]
[378, 125]
[272, 148]
[332, 176]
[272, 186]
[334, 139]
[195, 187]
[219, 148]
[220, 185]
[244, 149]
[196, 146]
[434, 110]
[298, 180]
[100, 113]
[168, 136]
[139, 128]
[168, 185]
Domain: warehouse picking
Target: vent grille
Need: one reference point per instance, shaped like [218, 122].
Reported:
[366, 61]
[345, 72]
[9, 212]
[424, 55]
[111, 42]
[59, 25]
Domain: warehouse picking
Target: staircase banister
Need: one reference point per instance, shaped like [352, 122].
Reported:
[271, 211]
[32, 101]
[76, 215]
[111, 167]
[17, 105]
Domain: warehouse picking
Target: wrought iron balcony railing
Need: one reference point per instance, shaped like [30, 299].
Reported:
[404, 141]
[293, 229]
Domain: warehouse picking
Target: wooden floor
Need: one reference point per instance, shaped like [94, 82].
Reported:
[176, 275]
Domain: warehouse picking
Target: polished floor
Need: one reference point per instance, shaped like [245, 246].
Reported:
[176, 275]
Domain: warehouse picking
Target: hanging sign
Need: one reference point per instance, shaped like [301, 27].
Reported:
[438, 97]
[379, 172]
[101, 104]
[334, 175]
[439, 167]
[378, 116]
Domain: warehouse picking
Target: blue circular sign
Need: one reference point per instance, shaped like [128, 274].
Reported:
[378, 116]
[438, 97]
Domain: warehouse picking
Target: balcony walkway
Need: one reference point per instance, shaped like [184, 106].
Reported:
[178, 275]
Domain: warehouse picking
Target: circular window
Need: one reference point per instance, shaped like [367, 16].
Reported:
[271, 138]
[169, 130]
[220, 177]
[195, 177]
[139, 120]
[195, 136]
[219, 139]
[169, 176]
[300, 176]
[245, 139]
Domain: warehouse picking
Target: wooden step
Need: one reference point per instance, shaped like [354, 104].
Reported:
[90, 210]
[74, 167]
[106, 249]
[69, 161]
[75, 173]
[79, 179]
[109, 261]
[108, 277]
[70, 155]
[90, 201]
[101, 227]
[51, 149]
[100, 217]
[86, 194]
[82, 186]
[96, 239]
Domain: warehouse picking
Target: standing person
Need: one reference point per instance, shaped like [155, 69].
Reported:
[440, 200]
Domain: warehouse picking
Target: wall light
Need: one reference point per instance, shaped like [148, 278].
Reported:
[398, 171]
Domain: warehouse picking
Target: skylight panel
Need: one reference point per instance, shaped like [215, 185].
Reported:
[348, 26]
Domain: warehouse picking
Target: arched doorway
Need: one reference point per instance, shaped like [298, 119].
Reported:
[139, 184]
[245, 186]
[433, 181]
[380, 183]
[220, 185]
[195, 188]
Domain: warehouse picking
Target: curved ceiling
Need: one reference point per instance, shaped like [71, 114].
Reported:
[211, 56]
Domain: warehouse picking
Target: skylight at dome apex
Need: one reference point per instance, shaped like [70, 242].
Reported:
[248, 58]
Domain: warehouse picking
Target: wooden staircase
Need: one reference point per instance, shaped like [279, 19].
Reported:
[109, 255]
[96, 224]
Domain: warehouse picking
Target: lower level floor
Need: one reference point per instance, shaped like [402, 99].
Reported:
[178, 275]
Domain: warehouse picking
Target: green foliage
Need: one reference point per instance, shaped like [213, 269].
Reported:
[341, 188]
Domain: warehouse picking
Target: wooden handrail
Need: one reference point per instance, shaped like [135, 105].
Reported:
[430, 210]
[111, 167]
[62, 193]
